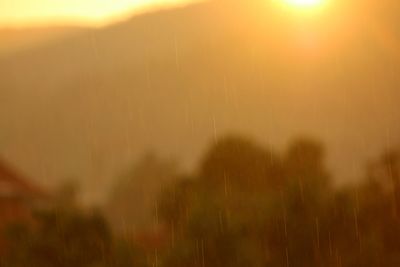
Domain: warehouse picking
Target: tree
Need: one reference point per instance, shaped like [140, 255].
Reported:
[133, 201]
[238, 163]
[306, 173]
[60, 238]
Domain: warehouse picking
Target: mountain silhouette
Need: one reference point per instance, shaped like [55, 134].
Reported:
[173, 80]
[14, 40]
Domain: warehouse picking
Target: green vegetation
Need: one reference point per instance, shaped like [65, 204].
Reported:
[244, 206]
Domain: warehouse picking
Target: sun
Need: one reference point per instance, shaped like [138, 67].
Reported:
[304, 7]
[304, 3]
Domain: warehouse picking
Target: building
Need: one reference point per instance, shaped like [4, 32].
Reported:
[18, 198]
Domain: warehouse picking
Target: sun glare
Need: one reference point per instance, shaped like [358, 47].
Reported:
[303, 7]
[304, 3]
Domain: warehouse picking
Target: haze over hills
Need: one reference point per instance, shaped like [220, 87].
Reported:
[172, 81]
[13, 40]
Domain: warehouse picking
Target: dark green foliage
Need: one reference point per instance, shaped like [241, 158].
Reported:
[251, 207]
[246, 206]
[239, 163]
[60, 238]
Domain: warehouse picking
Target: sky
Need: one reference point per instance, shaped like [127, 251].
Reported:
[23, 13]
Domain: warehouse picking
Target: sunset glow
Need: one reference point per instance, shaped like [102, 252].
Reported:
[304, 3]
[88, 12]
[304, 6]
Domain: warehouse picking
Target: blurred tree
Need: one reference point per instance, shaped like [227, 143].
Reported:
[249, 207]
[224, 214]
[126, 254]
[66, 196]
[60, 238]
[133, 203]
[174, 203]
[235, 163]
[306, 174]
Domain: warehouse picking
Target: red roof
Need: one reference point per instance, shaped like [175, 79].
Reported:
[12, 184]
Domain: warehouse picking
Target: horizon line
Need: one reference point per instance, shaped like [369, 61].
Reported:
[87, 22]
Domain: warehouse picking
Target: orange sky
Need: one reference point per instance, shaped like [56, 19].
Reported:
[81, 12]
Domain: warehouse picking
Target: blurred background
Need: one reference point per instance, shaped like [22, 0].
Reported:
[199, 133]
